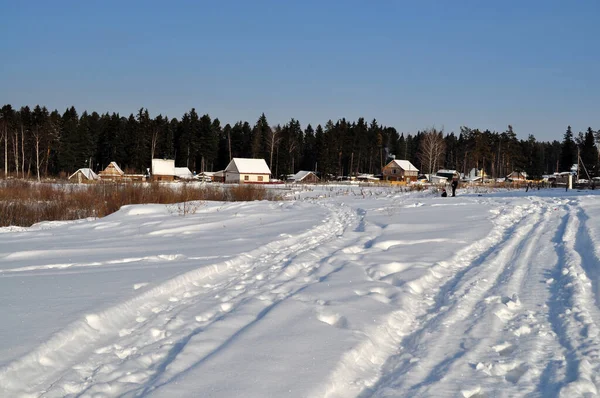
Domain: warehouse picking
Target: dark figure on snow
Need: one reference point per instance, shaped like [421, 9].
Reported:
[454, 185]
[444, 194]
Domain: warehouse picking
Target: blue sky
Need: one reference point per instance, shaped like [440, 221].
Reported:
[409, 64]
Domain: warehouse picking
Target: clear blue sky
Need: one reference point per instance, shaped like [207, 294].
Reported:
[534, 64]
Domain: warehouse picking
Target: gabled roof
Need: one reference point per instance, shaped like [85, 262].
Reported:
[403, 164]
[115, 166]
[248, 166]
[183, 172]
[518, 173]
[299, 176]
[87, 173]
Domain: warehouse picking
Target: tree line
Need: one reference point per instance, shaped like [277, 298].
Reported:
[39, 143]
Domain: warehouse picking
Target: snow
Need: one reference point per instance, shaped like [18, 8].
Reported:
[339, 291]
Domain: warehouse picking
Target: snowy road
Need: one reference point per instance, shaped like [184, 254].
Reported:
[340, 293]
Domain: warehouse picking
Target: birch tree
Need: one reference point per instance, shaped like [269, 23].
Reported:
[432, 150]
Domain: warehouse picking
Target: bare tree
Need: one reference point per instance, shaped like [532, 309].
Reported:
[432, 150]
[273, 139]
[4, 136]
[154, 139]
[16, 149]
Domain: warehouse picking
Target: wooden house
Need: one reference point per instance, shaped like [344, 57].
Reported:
[400, 170]
[84, 175]
[517, 176]
[112, 172]
[163, 169]
[304, 177]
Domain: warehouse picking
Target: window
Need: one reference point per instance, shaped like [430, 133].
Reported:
[393, 171]
[260, 178]
[246, 178]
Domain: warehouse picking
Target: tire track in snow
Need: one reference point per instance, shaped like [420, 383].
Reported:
[70, 363]
[574, 313]
[457, 327]
[502, 346]
[359, 369]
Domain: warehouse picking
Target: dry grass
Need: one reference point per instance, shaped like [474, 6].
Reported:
[24, 203]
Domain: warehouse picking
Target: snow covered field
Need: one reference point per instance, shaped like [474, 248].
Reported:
[339, 292]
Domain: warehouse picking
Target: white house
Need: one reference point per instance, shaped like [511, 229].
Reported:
[244, 170]
[84, 174]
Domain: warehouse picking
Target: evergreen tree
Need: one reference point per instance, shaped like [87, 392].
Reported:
[568, 156]
[68, 156]
[309, 156]
[260, 132]
[589, 155]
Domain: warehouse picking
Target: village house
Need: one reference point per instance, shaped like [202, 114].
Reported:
[84, 175]
[163, 169]
[245, 170]
[112, 172]
[449, 174]
[517, 176]
[304, 177]
[183, 173]
[400, 170]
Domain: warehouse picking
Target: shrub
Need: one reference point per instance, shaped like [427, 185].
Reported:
[23, 203]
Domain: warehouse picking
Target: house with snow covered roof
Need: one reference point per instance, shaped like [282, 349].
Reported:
[112, 172]
[183, 173]
[304, 177]
[449, 174]
[400, 170]
[246, 170]
[517, 176]
[83, 175]
[163, 169]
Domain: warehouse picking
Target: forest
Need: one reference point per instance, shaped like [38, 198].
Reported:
[37, 143]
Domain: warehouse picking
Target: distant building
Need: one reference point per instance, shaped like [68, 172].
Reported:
[304, 177]
[163, 169]
[449, 174]
[112, 172]
[245, 170]
[400, 170]
[517, 176]
[435, 179]
[183, 173]
[83, 175]
[218, 176]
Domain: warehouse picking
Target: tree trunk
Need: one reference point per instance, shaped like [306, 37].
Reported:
[16, 151]
[5, 151]
[22, 151]
[229, 142]
[37, 156]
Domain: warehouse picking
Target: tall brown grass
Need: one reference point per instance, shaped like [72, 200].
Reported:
[24, 203]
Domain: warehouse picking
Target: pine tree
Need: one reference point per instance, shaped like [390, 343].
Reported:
[568, 156]
[589, 154]
[309, 157]
[260, 132]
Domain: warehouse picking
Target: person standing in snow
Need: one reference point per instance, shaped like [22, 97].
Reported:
[454, 185]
